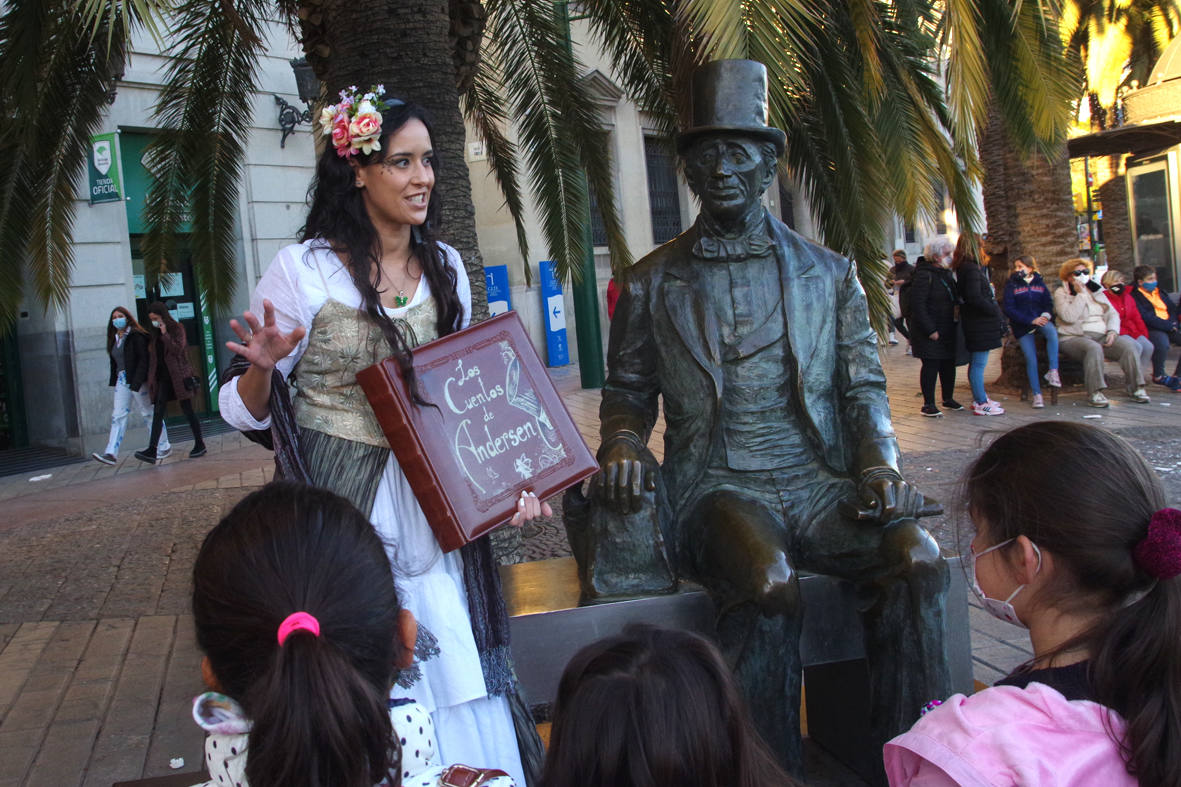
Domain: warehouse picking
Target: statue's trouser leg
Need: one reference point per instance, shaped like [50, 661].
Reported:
[765, 654]
[904, 582]
[739, 552]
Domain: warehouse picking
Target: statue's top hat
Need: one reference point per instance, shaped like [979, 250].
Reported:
[731, 96]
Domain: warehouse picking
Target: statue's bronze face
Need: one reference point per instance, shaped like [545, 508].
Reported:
[728, 174]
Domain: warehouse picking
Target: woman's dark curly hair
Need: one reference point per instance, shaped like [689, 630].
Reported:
[338, 220]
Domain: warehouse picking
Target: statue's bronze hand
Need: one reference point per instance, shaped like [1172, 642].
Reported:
[889, 498]
[626, 475]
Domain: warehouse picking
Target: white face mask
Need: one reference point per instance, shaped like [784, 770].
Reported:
[159, 325]
[995, 607]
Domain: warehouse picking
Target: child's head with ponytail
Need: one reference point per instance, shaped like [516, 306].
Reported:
[296, 612]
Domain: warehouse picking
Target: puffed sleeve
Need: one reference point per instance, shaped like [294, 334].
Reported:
[281, 286]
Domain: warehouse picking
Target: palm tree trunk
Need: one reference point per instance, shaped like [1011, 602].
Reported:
[404, 45]
[1029, 210]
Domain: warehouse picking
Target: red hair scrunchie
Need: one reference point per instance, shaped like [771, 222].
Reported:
[1159, 552]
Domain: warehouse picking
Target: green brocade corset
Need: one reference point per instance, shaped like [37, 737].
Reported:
[343, 341]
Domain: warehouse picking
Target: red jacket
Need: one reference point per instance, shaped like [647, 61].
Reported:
[1130, 321]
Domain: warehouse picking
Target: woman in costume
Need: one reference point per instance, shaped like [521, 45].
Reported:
[369, 280]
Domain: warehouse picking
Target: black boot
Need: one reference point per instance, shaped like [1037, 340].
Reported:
[147, 455]
[198, 450]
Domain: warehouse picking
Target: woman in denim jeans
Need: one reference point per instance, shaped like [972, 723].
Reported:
[127, 346]
[1030, 309]
[983, 322]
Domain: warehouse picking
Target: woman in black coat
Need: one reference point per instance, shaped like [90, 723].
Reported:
[982, 319]
[931, 302]
[170, 376]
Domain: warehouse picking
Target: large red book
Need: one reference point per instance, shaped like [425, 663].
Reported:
[494, 426]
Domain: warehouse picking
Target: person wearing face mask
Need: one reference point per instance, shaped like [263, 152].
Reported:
[127, 346]
[1030, 309]
[1089, 328]
[1119, 294]
[1091, 570]
[932, 308]
[982, 320]
[1160, 316]
[170, 376]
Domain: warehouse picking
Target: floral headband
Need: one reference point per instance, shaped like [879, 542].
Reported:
[354, 124]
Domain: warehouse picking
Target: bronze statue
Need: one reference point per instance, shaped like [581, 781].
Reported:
[779, 451]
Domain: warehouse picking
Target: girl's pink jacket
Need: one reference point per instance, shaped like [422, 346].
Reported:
[1010, 736]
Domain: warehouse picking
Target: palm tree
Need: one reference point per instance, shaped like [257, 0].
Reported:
[854, 84]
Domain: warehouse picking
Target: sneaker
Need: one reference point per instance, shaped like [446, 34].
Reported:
[909, 350]
[1140, 395]
[1053, 378]
[1097, 399]
[931, 411]
[198, 450]
[106, 459]
[893, 341]
[163, 453]
[988, 408]
[1038, 401]
[1169, 381]
[147, 456]
[952, 404]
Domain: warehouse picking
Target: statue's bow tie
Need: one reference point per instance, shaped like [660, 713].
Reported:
[731, 250]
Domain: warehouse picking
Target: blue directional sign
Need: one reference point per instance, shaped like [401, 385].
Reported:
[554, 306]
[500, 299]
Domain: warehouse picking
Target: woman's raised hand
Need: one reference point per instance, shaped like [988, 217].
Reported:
[263, 344]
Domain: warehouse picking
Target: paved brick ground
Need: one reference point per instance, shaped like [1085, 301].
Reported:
[97, 659]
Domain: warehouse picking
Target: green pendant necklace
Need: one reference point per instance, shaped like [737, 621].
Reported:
[400, 299]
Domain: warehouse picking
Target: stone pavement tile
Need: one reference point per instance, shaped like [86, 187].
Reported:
[175, 734]
[996, 654]
[18, 659]
[66, 747]
[230, 481]
[27, 722]
[209, 484]
[121, 748]
[7, 631]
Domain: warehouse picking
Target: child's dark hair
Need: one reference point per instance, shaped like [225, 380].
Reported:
[318, 704]
[654, 707]
[1086, 496]
[337, 218]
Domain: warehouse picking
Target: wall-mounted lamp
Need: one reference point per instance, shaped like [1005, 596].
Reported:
[308, 85]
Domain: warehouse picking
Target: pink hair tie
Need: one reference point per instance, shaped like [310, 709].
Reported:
[1159, 552]
[298, 621]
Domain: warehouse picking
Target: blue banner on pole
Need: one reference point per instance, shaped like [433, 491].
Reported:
[554, 306]
[500, 299]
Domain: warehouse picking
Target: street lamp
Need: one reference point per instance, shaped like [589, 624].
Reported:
[308, 85]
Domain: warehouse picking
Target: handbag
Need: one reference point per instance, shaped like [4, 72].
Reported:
[466, 776]
[192, 382]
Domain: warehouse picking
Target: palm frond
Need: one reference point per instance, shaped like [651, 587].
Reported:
[205, 110]
[966, 84]
[484, 110]
[107, 16]
[1032, 82]
[636, 38]
[45, 134]
[559, 131]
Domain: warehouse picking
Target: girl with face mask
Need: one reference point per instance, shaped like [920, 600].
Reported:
[127, 346]
[1160, 316]
[1088, 562]
[170, 377]
[1030, 309]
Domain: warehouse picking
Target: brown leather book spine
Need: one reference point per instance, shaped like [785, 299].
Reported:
[380, 383]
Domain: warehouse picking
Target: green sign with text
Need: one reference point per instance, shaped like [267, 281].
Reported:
[104, 181]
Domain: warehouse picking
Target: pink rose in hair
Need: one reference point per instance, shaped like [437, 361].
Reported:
[364, 131]
[340, 135]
